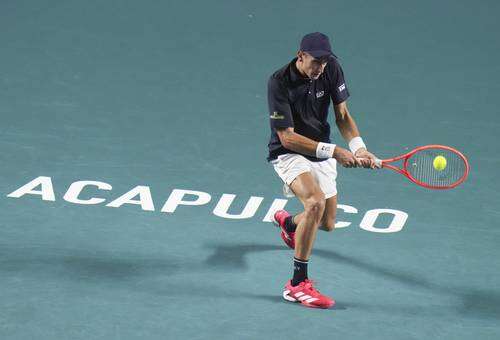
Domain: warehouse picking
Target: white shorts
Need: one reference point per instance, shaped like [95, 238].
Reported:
[290, 165]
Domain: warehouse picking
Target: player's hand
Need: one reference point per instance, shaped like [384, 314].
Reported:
[346, 158]
[367, 159]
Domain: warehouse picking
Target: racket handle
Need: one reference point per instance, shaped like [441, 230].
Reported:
[378, 162]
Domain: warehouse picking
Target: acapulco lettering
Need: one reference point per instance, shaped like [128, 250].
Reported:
[42, 187]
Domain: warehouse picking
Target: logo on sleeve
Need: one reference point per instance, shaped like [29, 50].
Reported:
[341, 87]
[276, 115]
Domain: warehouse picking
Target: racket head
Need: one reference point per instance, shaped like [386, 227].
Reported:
[419, 168]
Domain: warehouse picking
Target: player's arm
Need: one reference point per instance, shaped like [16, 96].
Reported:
[346, 124]
[295, 142]
[301, 144]
[343, 119]
[349, 131]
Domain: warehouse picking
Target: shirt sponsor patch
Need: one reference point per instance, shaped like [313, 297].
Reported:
[320, 94]
[341, 87]
[276, 115]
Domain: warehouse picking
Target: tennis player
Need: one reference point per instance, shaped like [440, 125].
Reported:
[303, 156]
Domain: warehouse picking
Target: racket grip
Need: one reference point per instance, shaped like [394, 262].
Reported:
[378, 162]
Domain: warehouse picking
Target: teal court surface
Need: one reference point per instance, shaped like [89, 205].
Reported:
[155, 104]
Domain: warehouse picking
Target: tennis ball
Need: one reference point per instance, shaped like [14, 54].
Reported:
[439, 163]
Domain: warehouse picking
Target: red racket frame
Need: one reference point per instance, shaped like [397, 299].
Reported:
[408, 155]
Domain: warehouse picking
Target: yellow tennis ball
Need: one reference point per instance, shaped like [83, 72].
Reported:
[439, 163]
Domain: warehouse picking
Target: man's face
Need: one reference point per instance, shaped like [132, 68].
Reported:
[312, 67]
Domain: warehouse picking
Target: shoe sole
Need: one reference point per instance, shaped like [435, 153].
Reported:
[304, 303]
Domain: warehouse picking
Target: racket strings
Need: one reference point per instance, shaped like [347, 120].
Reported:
[421, 167]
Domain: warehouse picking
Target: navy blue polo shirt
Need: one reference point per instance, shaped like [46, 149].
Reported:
[302, 103]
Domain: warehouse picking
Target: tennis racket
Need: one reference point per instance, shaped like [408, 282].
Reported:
[420, 166]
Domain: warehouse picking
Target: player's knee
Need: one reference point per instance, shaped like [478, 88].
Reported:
[315, 206]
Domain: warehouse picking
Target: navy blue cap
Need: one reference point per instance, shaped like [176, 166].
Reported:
[316, 44]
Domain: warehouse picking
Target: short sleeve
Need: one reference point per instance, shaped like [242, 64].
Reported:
[339, 91]
[280, 114]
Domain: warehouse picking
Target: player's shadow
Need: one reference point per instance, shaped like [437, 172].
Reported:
[474, 302]
[78, 265]
[108, 268]
[481, 303]
[233, 256]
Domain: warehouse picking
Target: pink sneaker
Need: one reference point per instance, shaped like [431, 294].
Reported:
[307, 295]
[279, 220]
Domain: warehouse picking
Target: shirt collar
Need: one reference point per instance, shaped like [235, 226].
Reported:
[295, 75]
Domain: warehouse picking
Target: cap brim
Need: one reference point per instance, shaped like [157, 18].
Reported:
[319, 53]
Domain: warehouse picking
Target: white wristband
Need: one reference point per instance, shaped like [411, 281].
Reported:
[325, 150]
[355, 144]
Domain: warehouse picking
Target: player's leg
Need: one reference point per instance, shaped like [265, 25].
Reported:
[307, 190]
[300, 288]
[312, 183]
[328, 219]
[289, 167]
[325, 175]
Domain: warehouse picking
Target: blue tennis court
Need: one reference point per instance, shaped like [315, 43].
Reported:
[136, 198]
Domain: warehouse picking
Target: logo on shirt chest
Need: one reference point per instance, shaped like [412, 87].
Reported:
[320, 94]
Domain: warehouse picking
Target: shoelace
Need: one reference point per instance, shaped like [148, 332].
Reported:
[309, 286]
